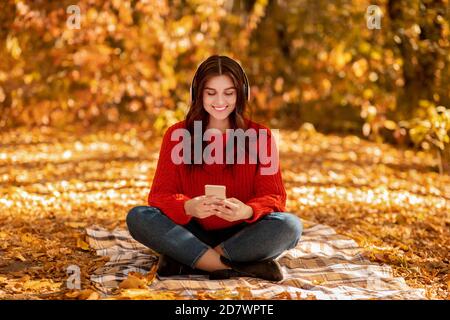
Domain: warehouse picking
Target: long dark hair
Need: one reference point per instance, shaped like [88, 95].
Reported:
[217, 65]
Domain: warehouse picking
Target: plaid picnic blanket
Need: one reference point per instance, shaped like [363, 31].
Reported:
[324, 264]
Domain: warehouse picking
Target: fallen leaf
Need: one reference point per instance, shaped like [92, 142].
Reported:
[73, 294]
[85, 294]
[132, 282]
[216, 295]
[283, 295]
[244, 293]
[82, 244]
[40, 284]
[93, 296]
[20, 257]
[148, 294]
[151, 275]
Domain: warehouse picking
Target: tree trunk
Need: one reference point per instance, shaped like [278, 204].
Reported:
[421, 56]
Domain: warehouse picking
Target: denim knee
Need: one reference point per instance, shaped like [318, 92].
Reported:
[290, 225]
[135, 215]
[266, 239]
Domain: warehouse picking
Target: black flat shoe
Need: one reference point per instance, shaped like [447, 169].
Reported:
[266, 269]
[170, 267]
[226, 274]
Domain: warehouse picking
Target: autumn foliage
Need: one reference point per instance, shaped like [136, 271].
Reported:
[308, 61]
[315, 68]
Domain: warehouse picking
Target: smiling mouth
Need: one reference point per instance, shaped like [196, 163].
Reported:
[219, 108]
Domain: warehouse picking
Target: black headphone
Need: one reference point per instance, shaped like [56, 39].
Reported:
[246, 85]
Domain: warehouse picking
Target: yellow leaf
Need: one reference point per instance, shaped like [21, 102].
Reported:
[244, 293]
[27, 238]
[283, 296]
[82, 245]
[389, 124]
[132, 282]
[85, 294]
[40, 285]
[20, 257]
[13, 47]
[148, 294]
[368, 93]
[151, 275]
[73, 294]
[216, 295]
[93, 296]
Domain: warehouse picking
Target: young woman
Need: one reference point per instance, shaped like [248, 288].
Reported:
[198, 234]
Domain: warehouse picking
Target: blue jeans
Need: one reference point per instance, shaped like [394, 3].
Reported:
[266, 238]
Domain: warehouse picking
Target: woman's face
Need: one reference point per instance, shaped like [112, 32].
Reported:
[219, 97]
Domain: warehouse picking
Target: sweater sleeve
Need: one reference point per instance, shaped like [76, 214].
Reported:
[165, 190]
[269, 193]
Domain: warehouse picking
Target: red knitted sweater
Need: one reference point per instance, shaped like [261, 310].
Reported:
[174, 184]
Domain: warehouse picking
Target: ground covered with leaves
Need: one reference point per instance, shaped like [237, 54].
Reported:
[54, 183]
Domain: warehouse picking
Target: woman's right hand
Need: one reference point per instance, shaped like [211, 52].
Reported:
[201, 206]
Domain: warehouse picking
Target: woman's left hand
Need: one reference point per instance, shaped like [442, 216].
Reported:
[232, 209]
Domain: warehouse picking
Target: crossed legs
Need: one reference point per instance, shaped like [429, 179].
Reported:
[193, 246]
[210, 260]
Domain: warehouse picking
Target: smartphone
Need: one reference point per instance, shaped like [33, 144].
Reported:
[216, 190]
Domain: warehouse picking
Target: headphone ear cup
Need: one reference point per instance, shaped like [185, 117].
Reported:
[246, 91]
[246, 85]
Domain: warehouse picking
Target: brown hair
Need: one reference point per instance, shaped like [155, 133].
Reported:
[217, 65]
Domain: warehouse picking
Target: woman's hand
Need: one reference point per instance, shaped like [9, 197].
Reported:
[201, 206]
[232, 209]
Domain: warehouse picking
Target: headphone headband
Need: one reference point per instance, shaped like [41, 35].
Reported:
[246, 86]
